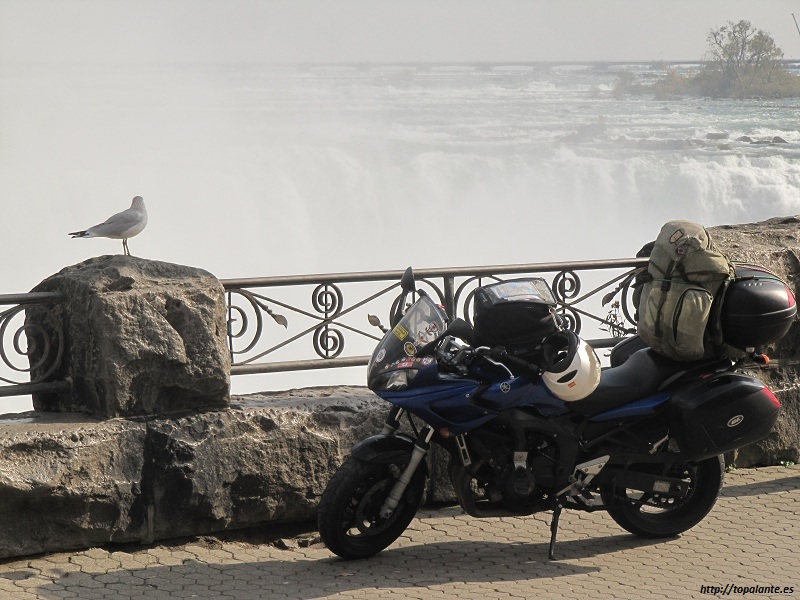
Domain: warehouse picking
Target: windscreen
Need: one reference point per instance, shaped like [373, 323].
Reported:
[520, 290]
[423, 322]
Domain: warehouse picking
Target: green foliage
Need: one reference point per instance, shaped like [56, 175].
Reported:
[741, 62]
[742, 59]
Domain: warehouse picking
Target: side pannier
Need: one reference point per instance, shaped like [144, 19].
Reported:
[678, 315]
[719, 414]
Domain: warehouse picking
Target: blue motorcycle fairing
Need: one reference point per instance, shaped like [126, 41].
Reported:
[465, 404]
[520, 392]
[447, 404]
[640, 408]
[421, 395]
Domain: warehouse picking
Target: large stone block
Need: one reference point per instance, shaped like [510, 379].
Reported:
[141, 337]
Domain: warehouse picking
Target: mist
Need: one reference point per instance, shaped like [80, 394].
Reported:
[252, 165]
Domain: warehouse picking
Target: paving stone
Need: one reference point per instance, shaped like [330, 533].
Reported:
[750, 538]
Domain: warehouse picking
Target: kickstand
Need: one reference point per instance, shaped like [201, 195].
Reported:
[554, 531]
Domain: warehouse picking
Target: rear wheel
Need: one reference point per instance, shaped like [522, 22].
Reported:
[652, 516]
[348, 517]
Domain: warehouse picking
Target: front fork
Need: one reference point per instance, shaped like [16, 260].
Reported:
[392, 423]
[421, 446]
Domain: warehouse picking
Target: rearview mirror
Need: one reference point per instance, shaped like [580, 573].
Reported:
[408, 286]
[407, 281]
[461, 329]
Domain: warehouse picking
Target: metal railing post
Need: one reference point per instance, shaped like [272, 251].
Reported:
[450, 295]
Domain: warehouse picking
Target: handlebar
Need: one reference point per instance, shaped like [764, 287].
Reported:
[526, 367]
[497, 356]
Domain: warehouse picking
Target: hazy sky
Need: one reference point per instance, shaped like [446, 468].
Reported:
[231, 188]
[84, 31]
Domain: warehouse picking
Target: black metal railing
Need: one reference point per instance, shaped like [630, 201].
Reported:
[314, 324]
[291, 323]
[29, 353]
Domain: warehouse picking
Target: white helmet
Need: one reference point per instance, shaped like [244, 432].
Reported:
[574, 369]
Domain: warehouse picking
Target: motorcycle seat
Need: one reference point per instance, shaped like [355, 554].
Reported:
[642, 375]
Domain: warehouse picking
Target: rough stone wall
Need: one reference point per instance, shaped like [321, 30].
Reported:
[68, 480]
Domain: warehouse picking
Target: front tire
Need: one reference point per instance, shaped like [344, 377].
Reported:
[348, 516]
[651, 516]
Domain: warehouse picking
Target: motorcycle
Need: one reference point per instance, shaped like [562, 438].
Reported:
[646, 445]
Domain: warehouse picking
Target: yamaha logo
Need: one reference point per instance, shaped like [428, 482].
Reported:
[505, 387]
[734, 421]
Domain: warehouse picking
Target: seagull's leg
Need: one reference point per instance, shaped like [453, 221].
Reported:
[125, 247]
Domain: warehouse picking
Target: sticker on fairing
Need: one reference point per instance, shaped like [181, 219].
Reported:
[410, 349]
[380, 355]
[400, 332]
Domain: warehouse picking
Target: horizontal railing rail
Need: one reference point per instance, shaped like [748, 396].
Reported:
[262, 324]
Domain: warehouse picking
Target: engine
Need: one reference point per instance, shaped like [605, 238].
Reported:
[502, 481]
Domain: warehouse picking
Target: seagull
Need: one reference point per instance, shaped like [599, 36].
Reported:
[120, 226]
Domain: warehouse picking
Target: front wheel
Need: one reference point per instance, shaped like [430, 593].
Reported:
[348, 517]
[653, 516]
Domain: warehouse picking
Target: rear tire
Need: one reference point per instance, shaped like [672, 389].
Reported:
[348, 516]
[651, 516]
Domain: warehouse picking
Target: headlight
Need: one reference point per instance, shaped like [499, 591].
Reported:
[394, 380]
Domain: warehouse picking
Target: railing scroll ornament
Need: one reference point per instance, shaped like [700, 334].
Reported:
[330, 331]
[30, 353]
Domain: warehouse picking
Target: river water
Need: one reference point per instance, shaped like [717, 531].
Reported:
[257, 170]
[528, 164]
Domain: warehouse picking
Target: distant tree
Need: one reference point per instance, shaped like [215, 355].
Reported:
[741, 62]
[742, 57]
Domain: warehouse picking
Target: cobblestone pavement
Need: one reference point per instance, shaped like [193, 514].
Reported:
[750, 540]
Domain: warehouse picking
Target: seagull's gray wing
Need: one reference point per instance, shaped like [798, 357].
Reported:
[117, 224]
